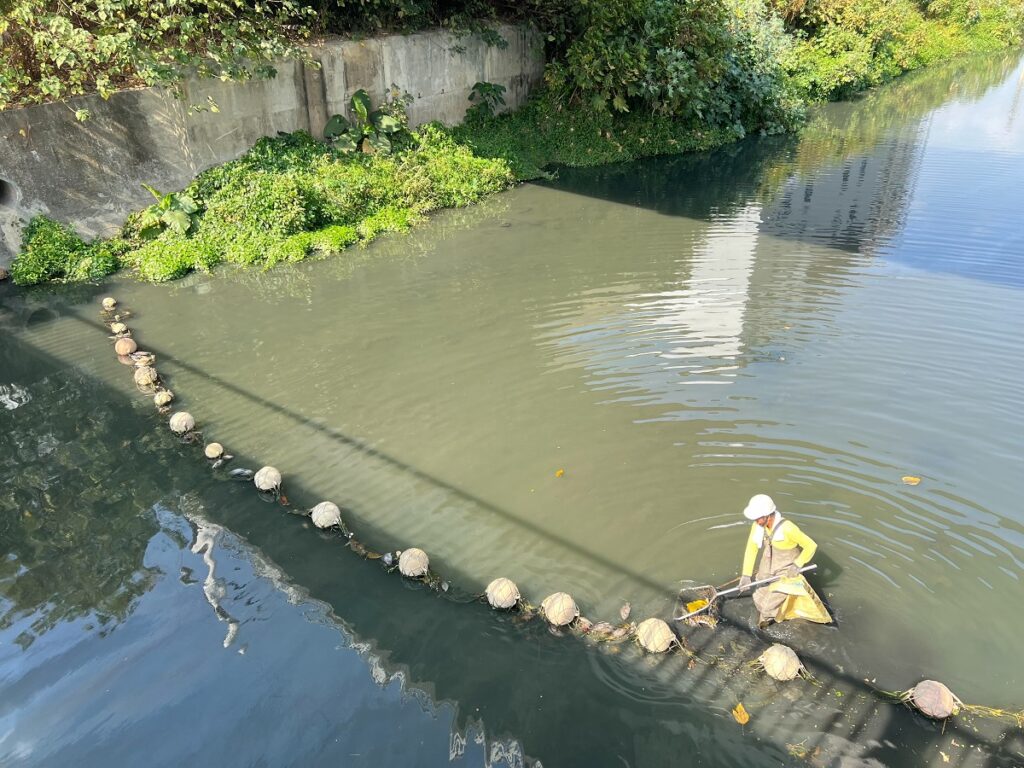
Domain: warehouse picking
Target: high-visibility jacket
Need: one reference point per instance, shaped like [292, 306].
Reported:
[785, 535]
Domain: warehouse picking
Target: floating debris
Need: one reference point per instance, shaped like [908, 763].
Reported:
[267, 479]
[740, 714]
[559, 609]
[143, 358]
[240, 473]
[413, 563]
[182, 422]
[109, 303]
[125, 360]
[118, 328]
[145, 376]
[163, 398]
[584, 625]
[933, 699]
[780, 662]
[502, 593]
[911, 480]
[325, 515]
[602, 630]
[125, 346]
[560, 473]
[655, 636]
[213, 450]
[624, 611]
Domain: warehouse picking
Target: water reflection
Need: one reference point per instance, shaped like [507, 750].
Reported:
[434, 397]
[69, 505]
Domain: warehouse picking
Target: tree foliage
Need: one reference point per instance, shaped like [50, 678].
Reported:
[55, 49]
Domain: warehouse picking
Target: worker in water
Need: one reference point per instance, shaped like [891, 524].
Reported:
[784, 550]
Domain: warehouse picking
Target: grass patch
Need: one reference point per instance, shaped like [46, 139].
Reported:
[287, 199]
[544, 132]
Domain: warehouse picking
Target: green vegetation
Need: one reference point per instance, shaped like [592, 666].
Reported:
[55, 49]
[288, 198]
[625, 79]
[52, 251]
[369, 130]
[845, 46]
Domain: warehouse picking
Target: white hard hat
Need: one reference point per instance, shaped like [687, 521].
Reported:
[760, 505]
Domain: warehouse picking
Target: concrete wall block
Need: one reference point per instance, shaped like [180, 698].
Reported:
[332, 73]
[364, 68]
[89, 174]
[449, 108]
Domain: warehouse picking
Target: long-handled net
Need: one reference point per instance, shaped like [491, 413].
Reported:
[698, 604]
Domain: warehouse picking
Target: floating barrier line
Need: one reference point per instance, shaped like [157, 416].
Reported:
[653, 635]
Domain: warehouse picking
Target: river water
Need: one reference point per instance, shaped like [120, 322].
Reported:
[812, 317]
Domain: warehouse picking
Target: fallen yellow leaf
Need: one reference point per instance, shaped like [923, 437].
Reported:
[910, 480]
[696, 605]
[740, 714]
[559, 473]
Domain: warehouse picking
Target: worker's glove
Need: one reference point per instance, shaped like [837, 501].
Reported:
[744, 583]
[790, 571]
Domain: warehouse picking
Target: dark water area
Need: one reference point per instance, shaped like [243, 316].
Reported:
[811, 316]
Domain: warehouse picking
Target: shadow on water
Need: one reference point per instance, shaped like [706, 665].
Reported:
[566, 700]
[81, 475]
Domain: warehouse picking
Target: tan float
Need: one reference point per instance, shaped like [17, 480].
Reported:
[109, 303]
[145, 376]
[933, 699]
[118, 327]
[125, 346]
[213, 450]
[413, 563]
[267, 479]
[559, 609]
[182, 422]
[780, 662]
[655, 636]
[502, 593]
[325, 515]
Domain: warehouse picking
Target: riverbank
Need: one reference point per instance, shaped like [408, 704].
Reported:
[315, 200]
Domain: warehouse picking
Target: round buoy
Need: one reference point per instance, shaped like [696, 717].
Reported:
[163, 398]
[654, 636]
[325, 514]
[413, 563]
[213, 450]
[780, 662]
[934, 699]
[145, 376]
[118, 327]
[267, 479]
[502, 593]
[125, 346]
[182, 422]
[559, 609]
[109, 303]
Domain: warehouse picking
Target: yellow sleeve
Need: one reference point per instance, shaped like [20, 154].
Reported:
[805, 542]
[750, 554]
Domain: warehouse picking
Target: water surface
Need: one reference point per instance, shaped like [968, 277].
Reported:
[810, 317]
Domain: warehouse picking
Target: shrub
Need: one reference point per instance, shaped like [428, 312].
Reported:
[53, 251]
[55, 50]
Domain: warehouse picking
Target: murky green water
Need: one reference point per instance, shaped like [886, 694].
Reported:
[813, 318]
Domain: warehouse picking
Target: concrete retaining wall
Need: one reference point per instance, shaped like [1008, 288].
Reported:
[89, 173]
